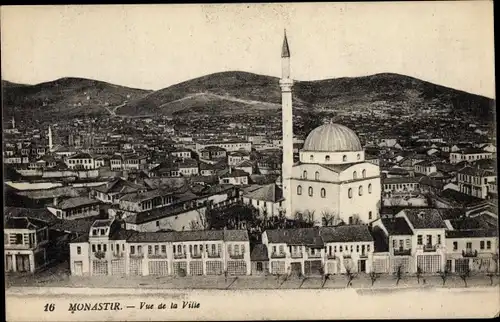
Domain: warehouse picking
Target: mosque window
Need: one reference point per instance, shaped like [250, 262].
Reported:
[299, 190]
[363, 173]
[349, 192]
[370, 188]
[316, 175]
[310, 191]
[354, 175]
[344, 158]
[360, 190]
[304, 175]
[359, 156]
[370, 215]
[323, 193]
[311, 157]
[327, 158]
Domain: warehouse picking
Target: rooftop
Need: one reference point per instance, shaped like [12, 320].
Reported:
[424, 218]
[397, 226]
[76, 202]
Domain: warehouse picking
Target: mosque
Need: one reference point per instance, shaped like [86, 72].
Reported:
[331, 177]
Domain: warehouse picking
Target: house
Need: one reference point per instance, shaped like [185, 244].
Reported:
[430, 185]
[207, 169]
[428, 238]
[400, 185]
[314, 251]
[166, 169]
[213, 154]
[246, 166]
[450, 198]
[260, 260]
[74, 208]
[475, 182]
[398, 237]
[234, 177]
[181, 153]
[111, 191]
[227, 145]
[425, 168]
[188, 167]
[81, 161]
[133, 161]
[25, 243]
[236, 157]
[471, 243]
[111, 250]
[470, 155]
[267, 199]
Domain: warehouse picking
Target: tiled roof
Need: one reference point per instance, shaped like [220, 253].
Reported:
[119, 186]
[424, 218]
[81, 156]
[397, 226]
[235, 173]
[270, 192]
[459, 197]
[102, 223]
[75, 225]
[245, 163]
[346, 233]
[379, 240]
[476, 172]
[76, 202]
[425, 180]
[177, 236]
[259, 253]
[471, 233]
[147, 195]
[396, 180]
[40, 214]
[212, 148]
[297, 236]
[54, 192]
[236, 235]
[23, 223]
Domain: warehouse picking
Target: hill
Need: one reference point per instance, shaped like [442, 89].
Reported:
[65, 97]
[241, 92]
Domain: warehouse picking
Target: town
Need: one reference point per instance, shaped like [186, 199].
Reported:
[286, 194]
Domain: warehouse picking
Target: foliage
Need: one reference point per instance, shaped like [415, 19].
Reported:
[374, 276]
[419, 274]
[399, 273]
[444, 275]
[465, 274]
[349, 272]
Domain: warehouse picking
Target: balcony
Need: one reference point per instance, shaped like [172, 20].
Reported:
[196, 255]
[19, 246]
[296, 255]
[346, 255]
[236, 256]
[117, 255]
[469, 253]
[213, 255]
[363, 255]
[402, 252]
[158, 255]
[137, 255]
[429, 248]
[331, 256]
[278, 255]
[180, 256]
[315, 255]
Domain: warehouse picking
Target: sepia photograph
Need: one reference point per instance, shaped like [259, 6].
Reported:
[271, 161]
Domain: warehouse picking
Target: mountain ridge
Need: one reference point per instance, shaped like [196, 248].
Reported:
[236, 92]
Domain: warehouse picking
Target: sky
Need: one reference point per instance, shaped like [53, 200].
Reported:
[155, 46]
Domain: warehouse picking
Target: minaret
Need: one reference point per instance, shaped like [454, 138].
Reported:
[13, 123]
[286, 84]
[50, 139]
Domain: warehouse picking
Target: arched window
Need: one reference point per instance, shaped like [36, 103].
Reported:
[354, 175]
[344, 158]
[349, 192]
[327, 158]
[304, 175]
[360, 190]
[311, 191]
[370, 188]
[311, 157]
[316, 175]
[363, 173]
[323, 193]
[358, 156]
[299, 190]
[370, 215]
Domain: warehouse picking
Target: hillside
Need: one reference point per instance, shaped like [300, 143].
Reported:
[241, 92]
[65, 97]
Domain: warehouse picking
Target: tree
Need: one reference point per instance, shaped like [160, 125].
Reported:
[399, 273]
[419, 274]
[374, 276]
[324, 276]
[330, 218]
[349, 272]
[464, 275]
[444, 275]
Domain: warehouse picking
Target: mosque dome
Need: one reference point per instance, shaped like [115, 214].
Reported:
[332, 137]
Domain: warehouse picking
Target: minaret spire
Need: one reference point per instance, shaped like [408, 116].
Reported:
[286, 84]
[50, 139]
[13, 123]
